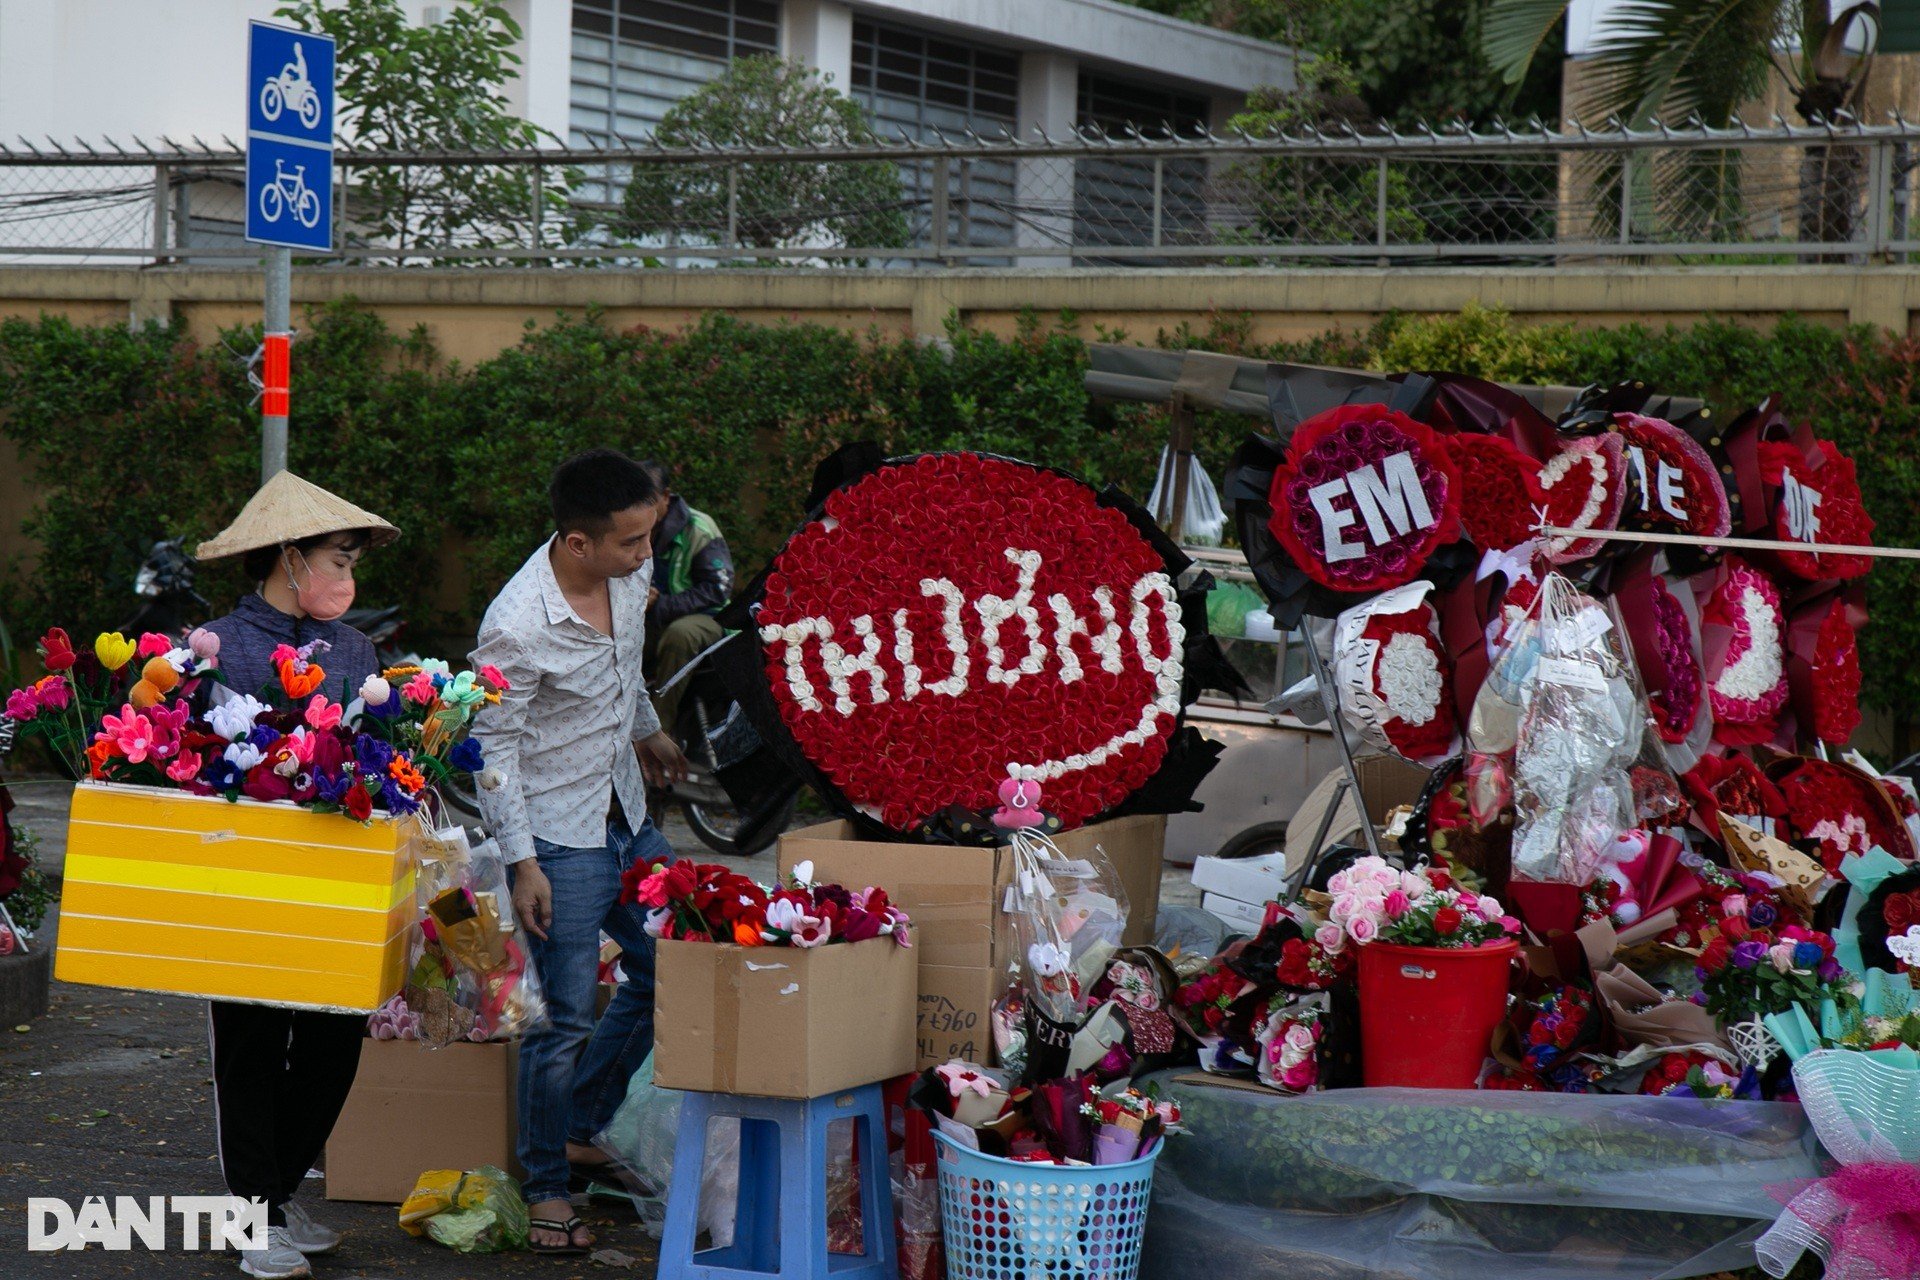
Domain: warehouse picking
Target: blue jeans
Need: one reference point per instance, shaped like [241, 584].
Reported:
[574, 1075]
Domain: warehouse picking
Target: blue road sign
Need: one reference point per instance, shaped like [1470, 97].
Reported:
[289, 137]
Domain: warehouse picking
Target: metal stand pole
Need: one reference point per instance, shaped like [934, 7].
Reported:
[1323, 678]
[279, 336]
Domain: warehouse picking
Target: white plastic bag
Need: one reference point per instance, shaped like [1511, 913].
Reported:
[641, 1138]
[1204, 520]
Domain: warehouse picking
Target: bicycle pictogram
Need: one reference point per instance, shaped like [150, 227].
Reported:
[290, 192]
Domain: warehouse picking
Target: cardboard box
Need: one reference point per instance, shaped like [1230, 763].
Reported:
[1386, 782]
[954, 894]
[782, 1022]
[1241, 917]
[413, 1109]
[268, 903]
[955, 1020]
[1247, 879]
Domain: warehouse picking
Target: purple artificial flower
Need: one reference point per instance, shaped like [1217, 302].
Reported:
[1762, 915]
[263, 736]
[395, 796]
[1830, 970]
[1748, 954]
[333, 787]
[373, 754]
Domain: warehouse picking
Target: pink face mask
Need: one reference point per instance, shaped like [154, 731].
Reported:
[322, 599]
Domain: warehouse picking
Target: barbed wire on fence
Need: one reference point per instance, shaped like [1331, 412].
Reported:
[1778, 191]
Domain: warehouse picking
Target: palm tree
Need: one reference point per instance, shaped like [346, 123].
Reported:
[1674, 60]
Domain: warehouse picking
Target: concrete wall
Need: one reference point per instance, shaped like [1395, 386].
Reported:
[471, 315]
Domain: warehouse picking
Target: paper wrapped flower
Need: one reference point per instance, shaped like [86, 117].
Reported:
[1672, 485]
[1816, 500]
[1393, 676]
[1743, 642]
[1734, 785]
[1585, 487]
[1365, 496]
[1842, 808]
[1499, 490]
[950, 621]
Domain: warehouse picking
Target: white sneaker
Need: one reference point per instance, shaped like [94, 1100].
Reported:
[306, 1235]
[278, 1261]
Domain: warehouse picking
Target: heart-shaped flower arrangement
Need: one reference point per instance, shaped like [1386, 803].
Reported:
[953, 619]
[1744, 634]
[1585, 486]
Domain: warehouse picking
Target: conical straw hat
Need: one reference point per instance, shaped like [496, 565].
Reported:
[287, 509]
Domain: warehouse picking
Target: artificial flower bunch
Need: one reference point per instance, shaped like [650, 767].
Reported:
[1372, 901]
[1560, 1019]
[1737, 902]
[1746, 973]
[128, 712]
[705, 902]
[1693, 1073]
[125, 680]
[1130, 1124]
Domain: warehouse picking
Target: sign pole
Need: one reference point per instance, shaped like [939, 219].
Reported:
[275, 364]
[290, 118]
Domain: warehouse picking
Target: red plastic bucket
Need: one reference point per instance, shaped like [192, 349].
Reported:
[1427, 1014]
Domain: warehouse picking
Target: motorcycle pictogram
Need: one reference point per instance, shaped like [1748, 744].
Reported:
[292, 88]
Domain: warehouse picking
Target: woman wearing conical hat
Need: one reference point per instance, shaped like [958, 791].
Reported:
[280, 1076]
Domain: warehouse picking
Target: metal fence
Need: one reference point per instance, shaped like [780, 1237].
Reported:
[1761, 194]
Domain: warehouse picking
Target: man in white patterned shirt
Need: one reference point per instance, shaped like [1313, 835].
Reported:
[570, 739]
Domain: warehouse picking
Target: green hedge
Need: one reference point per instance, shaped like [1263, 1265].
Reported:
[138, 432]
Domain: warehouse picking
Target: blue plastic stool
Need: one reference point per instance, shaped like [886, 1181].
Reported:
[780, 1219]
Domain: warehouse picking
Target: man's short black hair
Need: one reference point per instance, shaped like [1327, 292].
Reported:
[660, 473]
[589, 487]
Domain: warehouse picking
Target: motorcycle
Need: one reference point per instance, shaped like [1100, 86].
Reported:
[731, 815]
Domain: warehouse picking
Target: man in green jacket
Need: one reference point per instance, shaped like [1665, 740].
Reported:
[692, 580]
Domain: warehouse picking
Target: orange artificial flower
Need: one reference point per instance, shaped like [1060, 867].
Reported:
[144, 694]
[406, 775]
[160, 674]
[97, 756]
[747, 935]
[299, 683]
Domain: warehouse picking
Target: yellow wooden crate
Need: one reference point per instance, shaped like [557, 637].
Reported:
[266, 903]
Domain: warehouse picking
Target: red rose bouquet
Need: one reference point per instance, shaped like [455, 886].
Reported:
[1842, 808]
[1499, 490]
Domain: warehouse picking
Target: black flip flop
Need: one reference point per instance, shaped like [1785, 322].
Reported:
[567, 1228]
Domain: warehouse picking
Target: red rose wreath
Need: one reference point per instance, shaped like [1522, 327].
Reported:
[1499, 490]
[1365, 495]
[1673, 486]
[1585, 486]
[951, 619]
[1818, 502]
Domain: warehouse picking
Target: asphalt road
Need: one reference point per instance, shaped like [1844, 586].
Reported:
[110, 1094]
